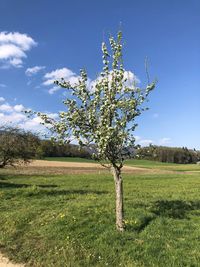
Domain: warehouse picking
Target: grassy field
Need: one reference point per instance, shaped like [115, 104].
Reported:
[69, 159]
[69, 220]
[162, 165]
[138, 163]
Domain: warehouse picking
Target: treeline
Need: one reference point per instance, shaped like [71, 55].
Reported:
[48, 148]
[18, 146]
[168, 154]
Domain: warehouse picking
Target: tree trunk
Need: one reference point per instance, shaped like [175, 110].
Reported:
[119, 198]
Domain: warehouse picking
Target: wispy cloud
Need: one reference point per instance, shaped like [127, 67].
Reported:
[146, 142]
[13, 48]
[34, 70]
[53, 90]
[164, 141]
[160, 142]
[13, 115]
[143, 142]
[2, 85]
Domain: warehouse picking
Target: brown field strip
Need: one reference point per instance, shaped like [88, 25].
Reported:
[43, 167]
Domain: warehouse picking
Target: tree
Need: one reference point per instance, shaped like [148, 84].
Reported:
[103, 115]
[16, 146]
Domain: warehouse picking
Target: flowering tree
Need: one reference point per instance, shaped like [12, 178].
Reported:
[103, 114]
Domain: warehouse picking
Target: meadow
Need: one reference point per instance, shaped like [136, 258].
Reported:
[69, 219]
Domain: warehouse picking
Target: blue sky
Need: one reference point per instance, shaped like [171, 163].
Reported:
[60, 37]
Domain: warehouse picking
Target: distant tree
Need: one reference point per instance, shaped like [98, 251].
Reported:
[168, 154]
[103, 115]
[16, 146]
[49, 148]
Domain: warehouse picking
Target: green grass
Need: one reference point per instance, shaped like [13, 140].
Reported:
[70, 220]
[162, 165]
[69, 159]
[138, 163]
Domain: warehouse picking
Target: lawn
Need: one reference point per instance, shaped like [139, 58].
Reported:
[69, 220]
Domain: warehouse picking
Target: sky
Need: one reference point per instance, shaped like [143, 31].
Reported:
[41, 41]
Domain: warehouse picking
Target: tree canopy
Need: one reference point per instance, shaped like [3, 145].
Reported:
[17, 146]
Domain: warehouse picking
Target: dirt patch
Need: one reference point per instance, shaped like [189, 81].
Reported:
[78, 165]
[45, 167]
[5, 262]
[75, 167]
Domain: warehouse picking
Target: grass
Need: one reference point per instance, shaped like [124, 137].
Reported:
[137, 163]
[162, 165]
[69, 220]
[69, 159]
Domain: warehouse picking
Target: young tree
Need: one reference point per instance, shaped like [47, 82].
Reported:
[103, 114]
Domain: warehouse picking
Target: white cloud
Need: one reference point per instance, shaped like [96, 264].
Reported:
[18, 108]
[164, 141]
[13, 118]
[34, 70]
[57, 74]
[13, 47]
[13, 115]
[145, 142]
[6, 107]
[130, 79]
[137, 138]
[53, 90]
[2, 85]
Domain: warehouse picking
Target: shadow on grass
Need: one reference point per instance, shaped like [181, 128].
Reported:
[13, 185]
[175, 209]
[2, 177]
[41, 190]
[71, 192]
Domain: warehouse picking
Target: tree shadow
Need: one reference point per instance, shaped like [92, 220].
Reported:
[141, 223]
[72, 192]
[176, 209]
[2, 177]
[6, 185]
[41, 190]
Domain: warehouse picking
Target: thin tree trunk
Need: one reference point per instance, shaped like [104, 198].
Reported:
[119, 198]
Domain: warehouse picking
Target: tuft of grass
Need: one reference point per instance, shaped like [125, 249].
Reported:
[69, 220]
